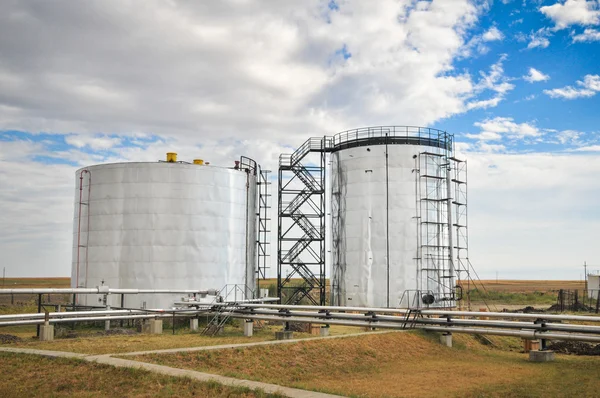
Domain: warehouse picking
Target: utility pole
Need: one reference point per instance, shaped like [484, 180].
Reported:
[586, 276]
[3, 276]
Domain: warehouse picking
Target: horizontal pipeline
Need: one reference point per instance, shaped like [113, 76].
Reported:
[525, 334]
[95, 318]
[449, 313]
[107, 290]
[435, 321]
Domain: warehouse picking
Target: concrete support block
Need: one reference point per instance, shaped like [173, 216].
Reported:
[46, 332]
[541, 356]
[106, 325]
[315, 329]
[530, 345]
[284, 335]
[156, 326]
[194, 324]
[446, 339]
[248, 328]
[145, 326]
[324, 331]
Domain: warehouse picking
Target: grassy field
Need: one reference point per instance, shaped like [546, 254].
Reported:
[21, 303]
[400, 365]
[96, 344]
[506, 293]
[527, 286]
[20, 283]
[34, 376]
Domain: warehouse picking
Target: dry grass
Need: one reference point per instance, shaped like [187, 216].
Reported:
[394, 365]
[526, 286]
[99, 344]
[95, 344]
[34, 376]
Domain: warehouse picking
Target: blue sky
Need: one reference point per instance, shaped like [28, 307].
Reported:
[517, 82]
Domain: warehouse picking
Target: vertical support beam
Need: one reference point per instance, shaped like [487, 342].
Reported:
[387, 221]
[279, 231]
[39, 310]
[449, 219]
[122, 305]
[107, 303]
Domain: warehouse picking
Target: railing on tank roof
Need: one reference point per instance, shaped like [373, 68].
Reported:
[423, 135]
[412, 134]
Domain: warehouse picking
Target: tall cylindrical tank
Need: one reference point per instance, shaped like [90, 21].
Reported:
[163, 225]
[391, 218]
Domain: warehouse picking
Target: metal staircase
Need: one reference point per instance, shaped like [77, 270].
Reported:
[301, 224]
[410, 320]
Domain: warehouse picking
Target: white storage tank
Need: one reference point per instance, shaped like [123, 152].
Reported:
[163, 225]
[391, 210]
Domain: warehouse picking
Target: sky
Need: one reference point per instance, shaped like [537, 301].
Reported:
[517, 82]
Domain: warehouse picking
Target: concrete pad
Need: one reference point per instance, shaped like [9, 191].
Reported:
[44, 353]
[156, 326]
[248, 328]
[446, 339]
[46, 332]
[194, 324]
[541, 356]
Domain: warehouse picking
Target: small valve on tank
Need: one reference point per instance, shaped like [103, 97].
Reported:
[171, 157]
[237, 165]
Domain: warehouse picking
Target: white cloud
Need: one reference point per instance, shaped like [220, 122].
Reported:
[477, 45]
[507, 126]
[590, 148]
[492, 34]
[573, 12]
[536, 76]
[587, 35]
[495, 81]
[525, 209]
[485, 136]
[538, 38]
[592, 82]
[569, 136]
[569, 92]
[588, 87]
[541, 42]
[96, 142]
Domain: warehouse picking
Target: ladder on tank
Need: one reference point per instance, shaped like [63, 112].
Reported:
[435, 262]
[263, 243]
